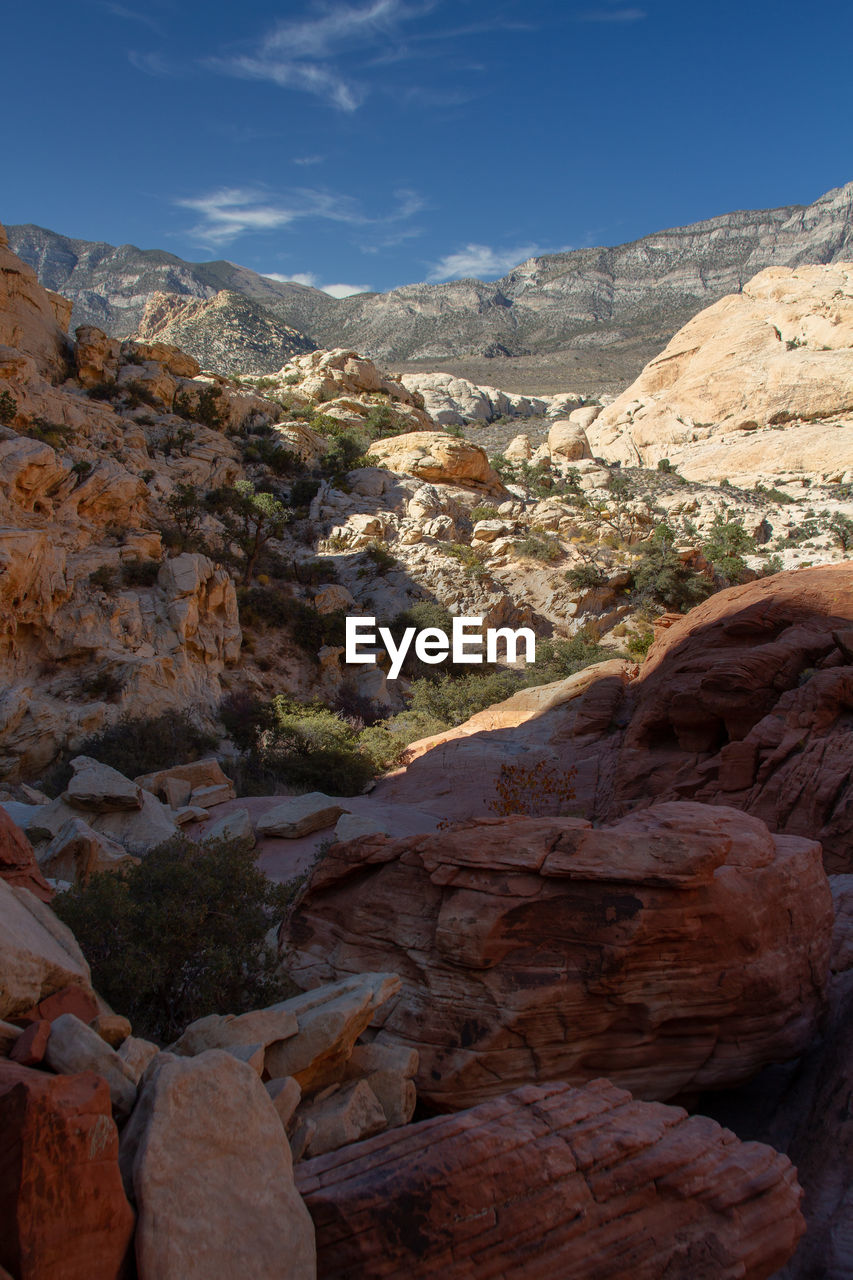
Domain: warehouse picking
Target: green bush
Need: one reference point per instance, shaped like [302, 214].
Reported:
[8, 408]
[537, 546]
[660, 576]
[204, 407]
[725, 548]
[180, 936]
[139, 745]
[471, 559]
[484, 511]
[305, 746]
[585, 577]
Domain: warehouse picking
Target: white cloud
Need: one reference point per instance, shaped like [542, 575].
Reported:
[480, 262]
[231, 212]
[309, 160]
[345, 290]
[151, 64]
[313, 281]
[303, 54]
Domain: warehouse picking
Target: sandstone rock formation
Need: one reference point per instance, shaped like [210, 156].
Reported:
[212, 1177]
[586, 1184]
[746, 701]
[63, 1211]
[453, 401]
[438, 458]
[678, 949]
[759, 383]
[38, 954]
[18, 864]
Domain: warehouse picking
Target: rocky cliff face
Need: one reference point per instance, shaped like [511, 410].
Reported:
[588, 298]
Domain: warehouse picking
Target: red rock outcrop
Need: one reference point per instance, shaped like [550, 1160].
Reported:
[680, 949]
[63, 1211]
[584, 1184]
[18, 864]
[748, 701]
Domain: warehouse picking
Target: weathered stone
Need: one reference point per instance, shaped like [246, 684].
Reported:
[9, 1033]
[30, 1047]
[568, 440]
[74, 1047]
[63, 1211]
[233, 826]
[38, 954]
[136, 1054]
[349, 1114]
[585, 1184]
[198, 773]
[219, 1031]
[137, 830]
[207, 797]
[81, 1001]
[300, 816]
[285, 1095]
[18, 864]
[112, 1028]
[77, 851]
[681, 948]
[99, 788]
[330, 1020]
[439, 459]
[350, 826]
[211, 1176]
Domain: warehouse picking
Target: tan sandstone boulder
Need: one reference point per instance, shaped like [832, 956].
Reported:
[205, 1160]
[438, 458]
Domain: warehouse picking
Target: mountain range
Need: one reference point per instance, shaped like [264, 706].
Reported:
[594, 314]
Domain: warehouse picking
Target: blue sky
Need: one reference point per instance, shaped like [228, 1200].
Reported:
[372, 143]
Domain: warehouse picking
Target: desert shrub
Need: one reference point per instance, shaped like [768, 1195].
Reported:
[186, 510]
[140, 573]
[471, 558]
[82, 468]
[534, 790]
[379, 557]
[841, 528]
[103, 685]
[136, 745]
[204, 407]
[452, 699]
[725, 547]
[484, 511]
[137, 392]
[271, 454]
[640, 643]
[181, 935]
[303, 490]
[584, 577]
[271, 607]
[56, 434]
[537, 546]
[8, 408]
[307, 747]
[661, 577]
[251, 516]
[103, 578]
[557, 659]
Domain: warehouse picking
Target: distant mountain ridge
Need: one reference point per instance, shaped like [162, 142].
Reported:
[602, 301]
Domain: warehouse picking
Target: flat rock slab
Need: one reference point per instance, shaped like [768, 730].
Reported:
[98, 787]
[300, 816]
[74, 1047]
[546, 1182]
[38, 954]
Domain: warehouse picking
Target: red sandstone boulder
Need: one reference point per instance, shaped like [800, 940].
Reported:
[63, 1211]
[682, 948]
[18, 864]
[580, 1184]
[748, 701]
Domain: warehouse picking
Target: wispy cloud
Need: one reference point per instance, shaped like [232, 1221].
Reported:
[231, 212]
[152, 64]
[307, 54]
[309, 160]
[313, 281]
[611, 15]
[132, 15]
[481, 262]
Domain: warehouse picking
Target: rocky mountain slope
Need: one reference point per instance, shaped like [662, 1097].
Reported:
[627, 300]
